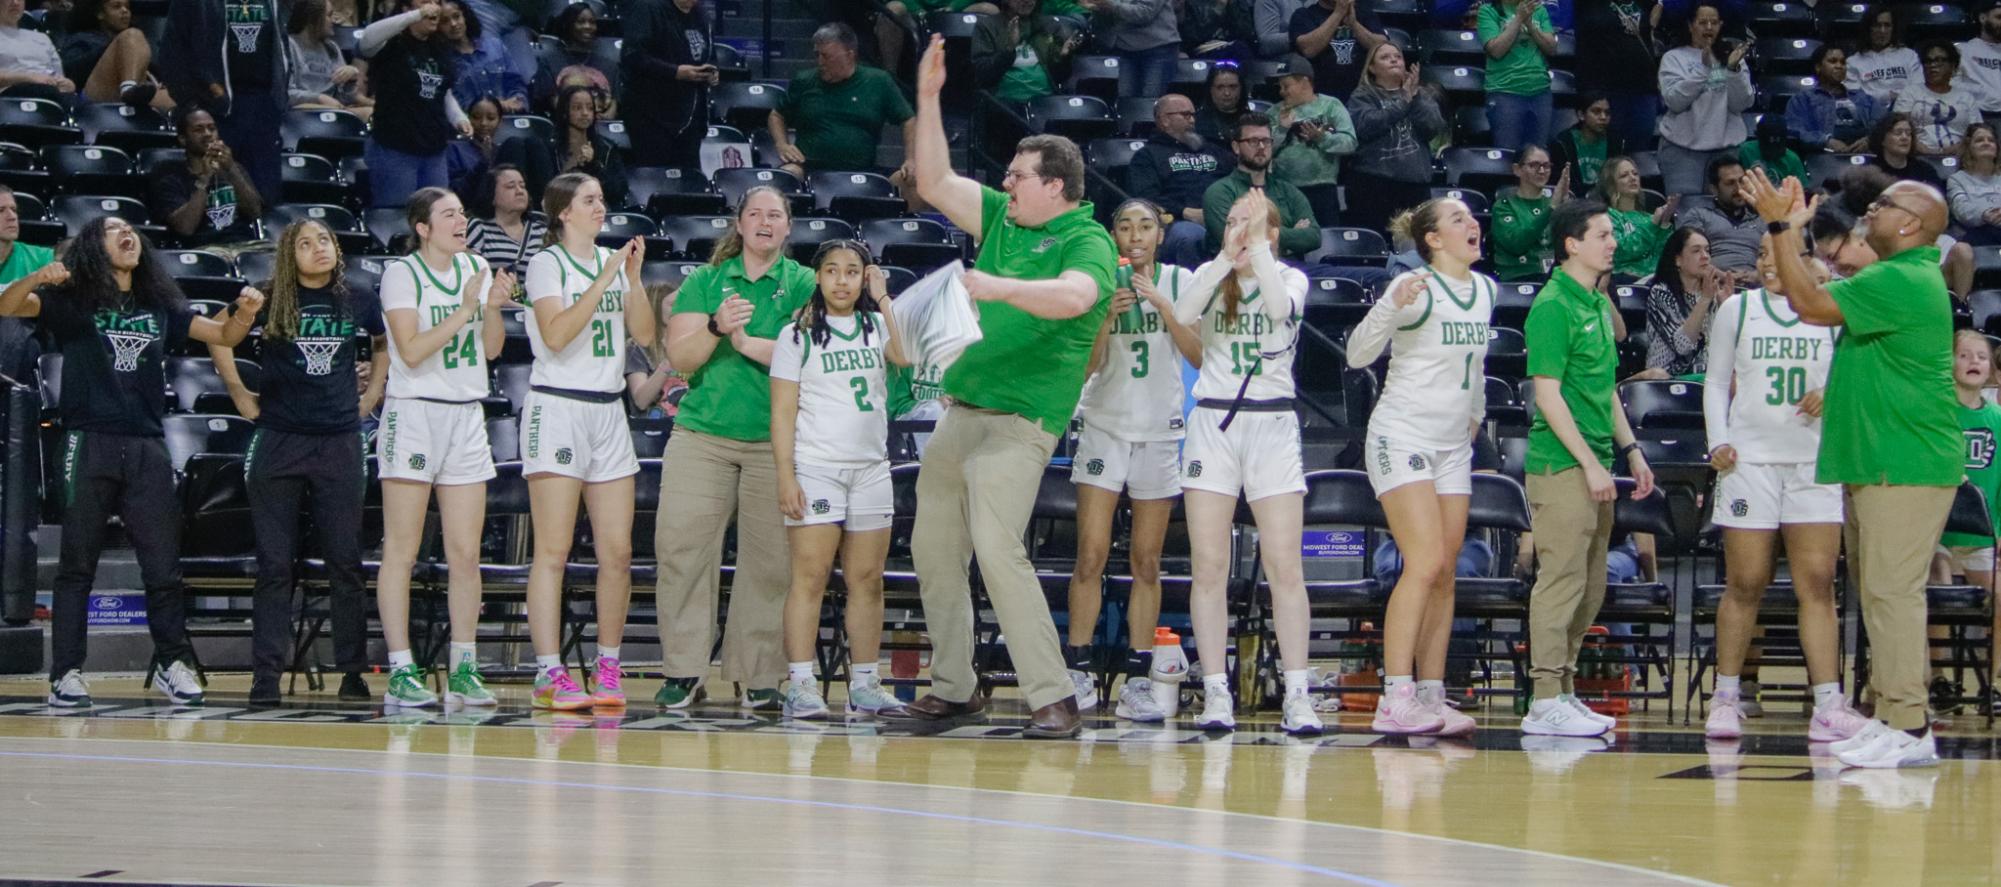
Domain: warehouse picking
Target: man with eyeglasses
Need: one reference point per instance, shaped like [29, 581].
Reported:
[1252, 141]
[1890, 434]
[1981, 57]
[1043, 281]
[1174, 170]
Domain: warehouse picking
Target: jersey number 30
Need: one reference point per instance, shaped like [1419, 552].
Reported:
[1788, 385]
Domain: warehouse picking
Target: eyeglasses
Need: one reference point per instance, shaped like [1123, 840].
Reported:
[1884, 202]
[1012, 176]
[1537, 166]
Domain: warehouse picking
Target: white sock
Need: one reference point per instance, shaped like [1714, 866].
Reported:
[1826, 696]
[400, 658]
[800, 673]
[464, 653]
[1431, 692]
[1296, 681]
[1729, 684]
[864, 674]
[607, 652]
[124, 85]
[546, 664]
[1391, 682]
[1216, 683]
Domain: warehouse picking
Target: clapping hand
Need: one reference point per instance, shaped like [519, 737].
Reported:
[734, 314]
[1143, 285]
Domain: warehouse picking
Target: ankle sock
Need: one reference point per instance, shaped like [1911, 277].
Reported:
[1826, 696]
[1296, 681]
[799, 673]
[546, 664]
[1139, 663]
[607, 652]
[1729, 684]
[864, 673]
[1431, 692]
[1216, 683]
[462, 653]
[1078, 657]
[400, 659]
[1393, 681]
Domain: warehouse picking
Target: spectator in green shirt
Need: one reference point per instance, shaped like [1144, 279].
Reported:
[1583, 149]
[1019, 55]
[1043, 281]
[1769, 152]
[1312, 136]
[1252, 141]
[18, 351]
[839, 107]
[1521, 219]
[1518, 37]
[1889, 432]
[1641, 234]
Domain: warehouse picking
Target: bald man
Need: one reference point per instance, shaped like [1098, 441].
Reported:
[1889, 433]
[1174, 169]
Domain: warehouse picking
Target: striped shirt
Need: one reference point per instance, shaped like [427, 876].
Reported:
[490, 241]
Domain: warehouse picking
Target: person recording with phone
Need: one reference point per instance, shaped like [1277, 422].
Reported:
[668, 63]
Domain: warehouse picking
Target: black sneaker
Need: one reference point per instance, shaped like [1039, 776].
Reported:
[354, 689]
[264, 691]
[1946, 695]
[138, 95]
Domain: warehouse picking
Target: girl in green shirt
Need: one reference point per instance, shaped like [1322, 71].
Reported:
[1641, 234]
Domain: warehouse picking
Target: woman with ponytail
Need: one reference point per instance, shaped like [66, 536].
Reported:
[582, 301]
[719, 461]
[1419, 449]
[1243, 437]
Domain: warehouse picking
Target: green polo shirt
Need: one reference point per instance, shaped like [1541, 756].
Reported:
[1569, 333]
[839, 124]
[25, 259]
[1028, 365]
[730, 396]
[1523, 70]
[1890, 416]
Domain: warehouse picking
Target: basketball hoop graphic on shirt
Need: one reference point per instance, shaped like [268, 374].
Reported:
[221, 216]
[246, 35]
[319, 354]
[126, 349]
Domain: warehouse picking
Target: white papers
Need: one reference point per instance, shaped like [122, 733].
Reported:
[935, 319]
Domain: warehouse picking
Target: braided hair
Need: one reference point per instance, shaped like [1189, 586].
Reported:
[812, 317]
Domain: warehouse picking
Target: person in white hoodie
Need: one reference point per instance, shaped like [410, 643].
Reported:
[1980, 58]
[1706, 89]
[1883, 65]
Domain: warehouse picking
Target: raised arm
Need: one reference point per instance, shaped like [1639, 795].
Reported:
[229, 332]
[1802, 287]
[377, 35]
[1368, 339]
[954, 195]
[19, 299]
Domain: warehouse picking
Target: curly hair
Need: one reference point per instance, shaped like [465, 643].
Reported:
[93, 280]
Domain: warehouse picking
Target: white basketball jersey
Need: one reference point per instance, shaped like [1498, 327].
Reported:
[595, 359]
[843, 416]
[1437, 383]
[1258, 343]
[1136, 393]
[1774, 359]
[457, 372]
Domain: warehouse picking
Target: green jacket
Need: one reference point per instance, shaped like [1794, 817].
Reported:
[1640, 242]
[1522, 250]
[1292, 206]
[1788, 164]
[1316, 163]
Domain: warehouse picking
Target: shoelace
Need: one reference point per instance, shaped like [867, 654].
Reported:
[408, 674]
[468, 674]
[608, 674]
[560, 679]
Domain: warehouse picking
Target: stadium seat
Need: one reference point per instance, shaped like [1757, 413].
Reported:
[1191, 78]
[1113, 157]
[1512, 303]
[310, 178]
[514, 126]
[1786, 55]
[622, 227]
[511, 381]
[21, 170]
[124, 127]
[1461, 83]
[389, 226]
[1945, 21]
[1780, 18]
[660, 192]
[1135, 115]
[1335, 303]
[199, 433]
[649, 437]
[202, 275]
[694, 236]
[323, 131]
[1656, 404]
[730, 64]
[1479, 169]
[1823, 168]
[34, 123]
[1507, 353]
[1077, 117]
[613, 131]
[76, 210]
[855, 196]
[364, 273]
[1563, 88]
[93, 169]
[196, 387]
[918, 244]
[668, 273]
[1350, 246]
[809, 233]
[1452, 48]
[354, 239]
[503, 438]
[1649, 165]
[1504, 405]
[1476, 201]
[734, 183]
[1096, 76]
[1471, 128]
[1775, 89]
[258, 265]
[746, 106]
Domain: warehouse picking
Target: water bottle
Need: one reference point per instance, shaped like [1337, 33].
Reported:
[1123, 280]
[1170, 668]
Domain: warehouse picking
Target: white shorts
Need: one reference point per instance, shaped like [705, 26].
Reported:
[436, 443]
[575, 438]
[1965, 558]
[1148, 469]
[1258, 456]
[1765, 496]
[859, 496]
[1392, 464]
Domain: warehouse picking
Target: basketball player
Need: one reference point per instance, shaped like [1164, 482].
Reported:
[114, 314]
[1243, 437]
[435, 302]
[1131, 443]
[1761, 403]
[1419, 452]
[308, 444]
[574, 440]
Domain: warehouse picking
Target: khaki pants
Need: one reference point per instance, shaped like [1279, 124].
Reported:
[1571, 534]
[1897, 531]
[974, 495]
[704, 481]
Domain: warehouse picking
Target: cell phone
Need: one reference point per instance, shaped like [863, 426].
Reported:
[1725, 47]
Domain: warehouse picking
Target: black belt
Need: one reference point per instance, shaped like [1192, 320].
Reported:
[576, 394]
[1275, 405]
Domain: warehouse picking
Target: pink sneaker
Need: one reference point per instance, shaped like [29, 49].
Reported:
[1452, 721]
[1399, 712]
[606, 684]
[1835, 724]
[1726, 718]
[555, 690]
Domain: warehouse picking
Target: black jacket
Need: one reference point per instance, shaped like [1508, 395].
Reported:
[659, 39]
[1174, 175]
[194, 53]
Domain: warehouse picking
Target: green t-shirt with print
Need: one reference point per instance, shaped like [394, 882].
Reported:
[1569, 334]
[839, 124]
[23, 260]
[1640, 242]
[1890, 415]
[1028, 365]
[730, 395]
[1523, 70]
[912, 385]
[1979, 428]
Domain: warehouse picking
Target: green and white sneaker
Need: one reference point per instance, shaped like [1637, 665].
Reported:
[464, 686]
[407, 690]
[803, 701]
[679, 693]
[761, 700]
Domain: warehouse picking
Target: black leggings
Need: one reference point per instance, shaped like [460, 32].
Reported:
[283, 471]
[1373, 200]
[133, 477]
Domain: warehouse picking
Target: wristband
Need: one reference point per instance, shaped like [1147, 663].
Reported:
[1779, 227]
[713, 329]
[1627, 450]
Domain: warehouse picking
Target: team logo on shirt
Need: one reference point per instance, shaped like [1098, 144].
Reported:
[129, 335]
[1739, 508]
[1979, 448]
[246, 22]
[320, 336]
[1416, 462]
[820, 506]
[1343, 45]
[221, 207]
[1095, 467]
[428, 83]
[1044, 246]
[563, 456]
[1195, 468]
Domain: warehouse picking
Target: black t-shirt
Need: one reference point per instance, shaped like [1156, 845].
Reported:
[410, 79]
[222, 222]
[1623, 50]
[113, 361]
[1337, 70]
[309, 384]
[253, 37]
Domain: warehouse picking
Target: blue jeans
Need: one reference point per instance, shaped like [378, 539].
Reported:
[1183, 245]
[1151, 70]
[1519, 120]
[393, 175]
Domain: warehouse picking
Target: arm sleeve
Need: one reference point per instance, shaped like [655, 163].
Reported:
[1132, 12]
[368, 314]
[1372, 119]
[453, 112]
[1427, 118]
[1742, 94]
[1369, 338]
[1200, 291]
[1271, 19]
[1285, 297]
[544, 278]
[1547, 333]
[1716, 382]
[372, 38]
[787, 355]
[1519, 233]
[1964, 207]
[642, 26]
[699, 294]
[399, 290]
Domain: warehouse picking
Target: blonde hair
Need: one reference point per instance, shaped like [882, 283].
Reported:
[1413, 224]
[1233, 293]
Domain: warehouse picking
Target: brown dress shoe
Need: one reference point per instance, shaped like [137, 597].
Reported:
[936, 708]
[1057, 720]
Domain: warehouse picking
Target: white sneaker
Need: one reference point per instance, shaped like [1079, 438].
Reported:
[1136, 702]
[1893, 749]
[1218, 712]
[1867, 735]
[1577, 705]
[1726, 719]
[70, 691]
[178, 683]
[1553, 717]
[1399, 712]
[1085, 689]
[1300, 719]
[803, 701]
[1455, 722]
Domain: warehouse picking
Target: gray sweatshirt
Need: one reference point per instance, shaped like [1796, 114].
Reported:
[1132, 25]
[1274, 19]
[1705, 105]
[1394, 135]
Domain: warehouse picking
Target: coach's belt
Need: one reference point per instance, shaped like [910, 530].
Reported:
[577, 394]
[1274, 405]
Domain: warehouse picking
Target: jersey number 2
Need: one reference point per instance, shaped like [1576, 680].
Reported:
[860, 385]
[461, 350]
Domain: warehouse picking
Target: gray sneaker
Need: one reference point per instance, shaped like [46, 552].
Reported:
[1136, 702]
[1086, 688]
[804, 702]
[871, 698]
